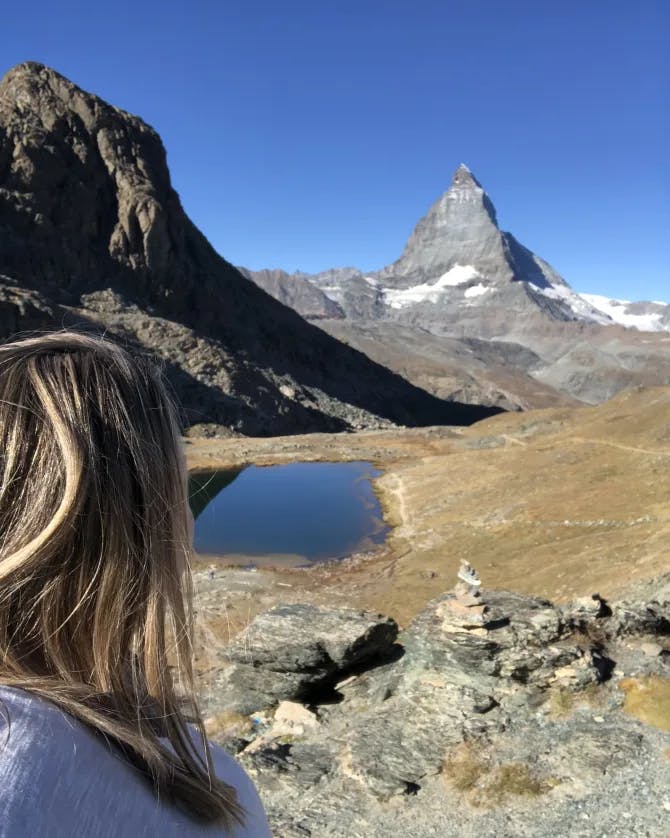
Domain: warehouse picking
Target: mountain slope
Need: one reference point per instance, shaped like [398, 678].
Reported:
[295, 292]
[92, 233]
[459, 268]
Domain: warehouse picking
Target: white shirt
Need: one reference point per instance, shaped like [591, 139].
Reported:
[58, 779]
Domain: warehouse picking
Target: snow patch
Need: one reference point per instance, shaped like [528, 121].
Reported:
[617, 311]
[458, 275]
[333, 292]
[476, 290]
[579, 306]
[429, 291]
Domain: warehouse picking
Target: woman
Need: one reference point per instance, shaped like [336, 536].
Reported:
[96, 679]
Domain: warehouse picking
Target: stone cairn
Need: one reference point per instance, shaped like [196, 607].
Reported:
[466, 610]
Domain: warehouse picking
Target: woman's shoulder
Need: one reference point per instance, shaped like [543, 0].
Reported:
[39, 740]
[28, 720]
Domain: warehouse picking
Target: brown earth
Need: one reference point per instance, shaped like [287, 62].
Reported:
[559, 502]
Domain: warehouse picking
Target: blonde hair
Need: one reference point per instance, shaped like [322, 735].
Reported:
[95, 606]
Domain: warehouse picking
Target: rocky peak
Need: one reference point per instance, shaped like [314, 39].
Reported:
[460, 228]
[463, 175]
[466, 188]
[85, 171]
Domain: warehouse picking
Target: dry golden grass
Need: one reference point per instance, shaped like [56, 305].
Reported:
[648, 699]
[595, 636]
[561, 702]
[513, 779]
[468, 771]
[464, 767]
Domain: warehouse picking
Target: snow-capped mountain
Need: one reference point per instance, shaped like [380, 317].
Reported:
[458, 266]
[460, 277]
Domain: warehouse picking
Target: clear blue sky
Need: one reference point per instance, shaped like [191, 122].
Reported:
[309, 134]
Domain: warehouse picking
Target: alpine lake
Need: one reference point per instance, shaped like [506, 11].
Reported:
[286, 515]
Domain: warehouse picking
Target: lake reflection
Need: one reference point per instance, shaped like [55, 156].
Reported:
[301, 512]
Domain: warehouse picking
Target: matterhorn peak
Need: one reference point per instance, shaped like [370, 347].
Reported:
[459, 229]
[463, 177]
[466, 187]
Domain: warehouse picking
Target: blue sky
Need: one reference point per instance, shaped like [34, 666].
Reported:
[308, 134]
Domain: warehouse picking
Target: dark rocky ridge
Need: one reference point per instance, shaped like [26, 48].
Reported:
[92, 234]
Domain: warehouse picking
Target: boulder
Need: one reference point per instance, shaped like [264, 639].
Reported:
[297, 651]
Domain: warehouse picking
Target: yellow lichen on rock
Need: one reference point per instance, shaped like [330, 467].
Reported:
[648, 699]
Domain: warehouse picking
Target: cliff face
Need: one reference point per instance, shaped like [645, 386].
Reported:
[91, 232]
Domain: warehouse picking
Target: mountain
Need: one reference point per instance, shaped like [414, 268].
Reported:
[296, 292]
[460, 277]
[93, 234]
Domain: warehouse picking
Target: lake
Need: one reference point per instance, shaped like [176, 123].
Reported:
[288, 514]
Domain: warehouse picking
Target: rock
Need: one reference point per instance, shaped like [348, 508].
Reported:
[458, 615]
[22, 309]
[577, 675]
[586, 608]
[245, 689]
[306, 763]
[629, 618]
[404, 740]
[295, 651]
[651, 649]
[304, 638]
[292, 718]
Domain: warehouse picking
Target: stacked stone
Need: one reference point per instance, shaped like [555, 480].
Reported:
[466, 612]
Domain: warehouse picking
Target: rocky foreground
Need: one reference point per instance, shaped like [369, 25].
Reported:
[490, 714]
